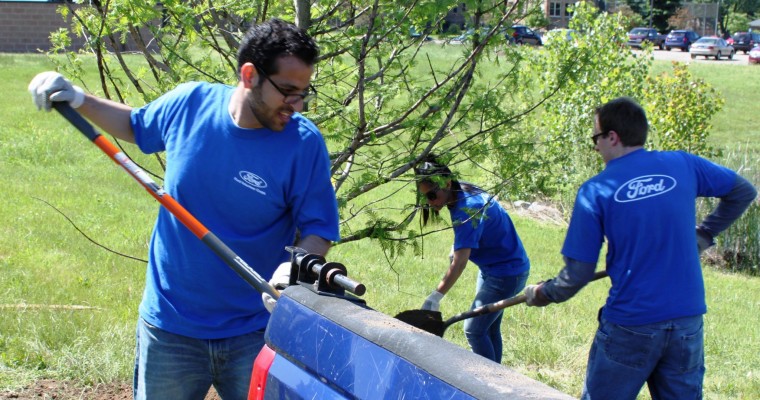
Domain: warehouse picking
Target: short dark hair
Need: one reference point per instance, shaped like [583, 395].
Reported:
[626, 117]
[264, 43]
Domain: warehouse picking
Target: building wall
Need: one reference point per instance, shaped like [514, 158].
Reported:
[26, 26]
[556, 12]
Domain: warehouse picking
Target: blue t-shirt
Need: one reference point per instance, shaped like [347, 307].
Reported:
[644, 204]
[251, 187]
[483, 226]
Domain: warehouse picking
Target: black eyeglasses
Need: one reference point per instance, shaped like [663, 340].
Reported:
[432, 194]
[292, 98]
[595, 137]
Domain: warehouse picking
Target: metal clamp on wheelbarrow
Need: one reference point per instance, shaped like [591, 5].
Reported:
[322, 277]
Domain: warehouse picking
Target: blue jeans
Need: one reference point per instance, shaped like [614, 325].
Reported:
[668, 356]
[169, 366]
[484, 332]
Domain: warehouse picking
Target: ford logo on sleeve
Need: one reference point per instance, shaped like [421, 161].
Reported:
[644, 187]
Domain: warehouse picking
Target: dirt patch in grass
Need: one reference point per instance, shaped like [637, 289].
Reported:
[62, 390]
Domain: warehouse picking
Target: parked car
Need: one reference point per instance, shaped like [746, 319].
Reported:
[712, 47]
[638, 36]
[681, 39]
[520, 34]
[745, 41]
[754, 55]
[467, 35]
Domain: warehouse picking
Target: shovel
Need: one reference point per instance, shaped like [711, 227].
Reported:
[431, 321]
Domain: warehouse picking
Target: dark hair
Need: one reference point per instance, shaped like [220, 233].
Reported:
[626, 117]
[430, 170]
[264, 43]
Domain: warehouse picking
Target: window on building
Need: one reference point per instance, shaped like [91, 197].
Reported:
[568, 13]
[555, 10]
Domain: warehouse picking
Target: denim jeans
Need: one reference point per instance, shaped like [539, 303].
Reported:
[668, 356]
[169, 366]
[484, 332]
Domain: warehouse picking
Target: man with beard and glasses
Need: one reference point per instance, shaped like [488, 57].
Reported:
[254, 171]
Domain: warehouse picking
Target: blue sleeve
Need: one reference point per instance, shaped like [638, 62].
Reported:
[150, 121]
[585, 234]
[315, 207]
[467, 229]
[713, 180]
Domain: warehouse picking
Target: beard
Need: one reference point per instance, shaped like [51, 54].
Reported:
[264, 114]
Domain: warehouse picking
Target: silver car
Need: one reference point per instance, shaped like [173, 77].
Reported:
[712, 47]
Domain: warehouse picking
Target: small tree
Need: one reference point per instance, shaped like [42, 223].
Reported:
[682, 19]
[517, 117]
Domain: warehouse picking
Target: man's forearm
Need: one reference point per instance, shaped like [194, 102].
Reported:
[730, 207]
[314, 244]
[573, 277]
[110, 116]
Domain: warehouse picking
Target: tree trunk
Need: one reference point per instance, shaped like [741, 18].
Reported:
[303, 13]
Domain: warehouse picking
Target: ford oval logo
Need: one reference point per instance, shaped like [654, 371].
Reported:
[253, 179]
[644, 187]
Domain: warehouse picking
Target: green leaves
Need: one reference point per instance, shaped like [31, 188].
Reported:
[515, 119]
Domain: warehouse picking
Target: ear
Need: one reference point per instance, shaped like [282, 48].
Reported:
[615, 138]
[248, 74]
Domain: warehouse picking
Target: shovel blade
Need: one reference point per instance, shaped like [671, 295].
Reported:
[428, 321]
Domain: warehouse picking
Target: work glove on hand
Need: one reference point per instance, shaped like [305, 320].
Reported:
[51, 86]
[280, 280]
[534, 297]
[433, 302]
[704, 240]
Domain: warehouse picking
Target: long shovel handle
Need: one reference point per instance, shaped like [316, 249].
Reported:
[195, 226]
[501, 304]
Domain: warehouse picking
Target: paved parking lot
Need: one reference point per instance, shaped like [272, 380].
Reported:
[683, 56]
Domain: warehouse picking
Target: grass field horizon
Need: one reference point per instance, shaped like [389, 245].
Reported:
[45, 262]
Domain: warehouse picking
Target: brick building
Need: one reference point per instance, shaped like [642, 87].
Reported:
[25, 25]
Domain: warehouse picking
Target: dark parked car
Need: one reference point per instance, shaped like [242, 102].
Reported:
[681, 39]
[521, 34]
[745, 41]
[638, 36]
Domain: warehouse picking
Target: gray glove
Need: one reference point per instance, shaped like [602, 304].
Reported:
[433, 302]
[280, 279]
[704, 240]
[51, 86]
[534, 297]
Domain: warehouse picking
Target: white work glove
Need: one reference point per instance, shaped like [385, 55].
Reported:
[51, 86]
[280, 280]
[534, 297]
[704, 240]
[433, 302]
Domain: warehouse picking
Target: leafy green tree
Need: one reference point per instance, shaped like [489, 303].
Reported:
[517, 117]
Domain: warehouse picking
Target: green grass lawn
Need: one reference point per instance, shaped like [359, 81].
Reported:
[47, 266]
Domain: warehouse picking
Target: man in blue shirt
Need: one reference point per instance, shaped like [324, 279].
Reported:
[643, 203]
[253, 170]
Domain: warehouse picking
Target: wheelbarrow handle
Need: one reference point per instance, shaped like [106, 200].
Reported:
[502, 304]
